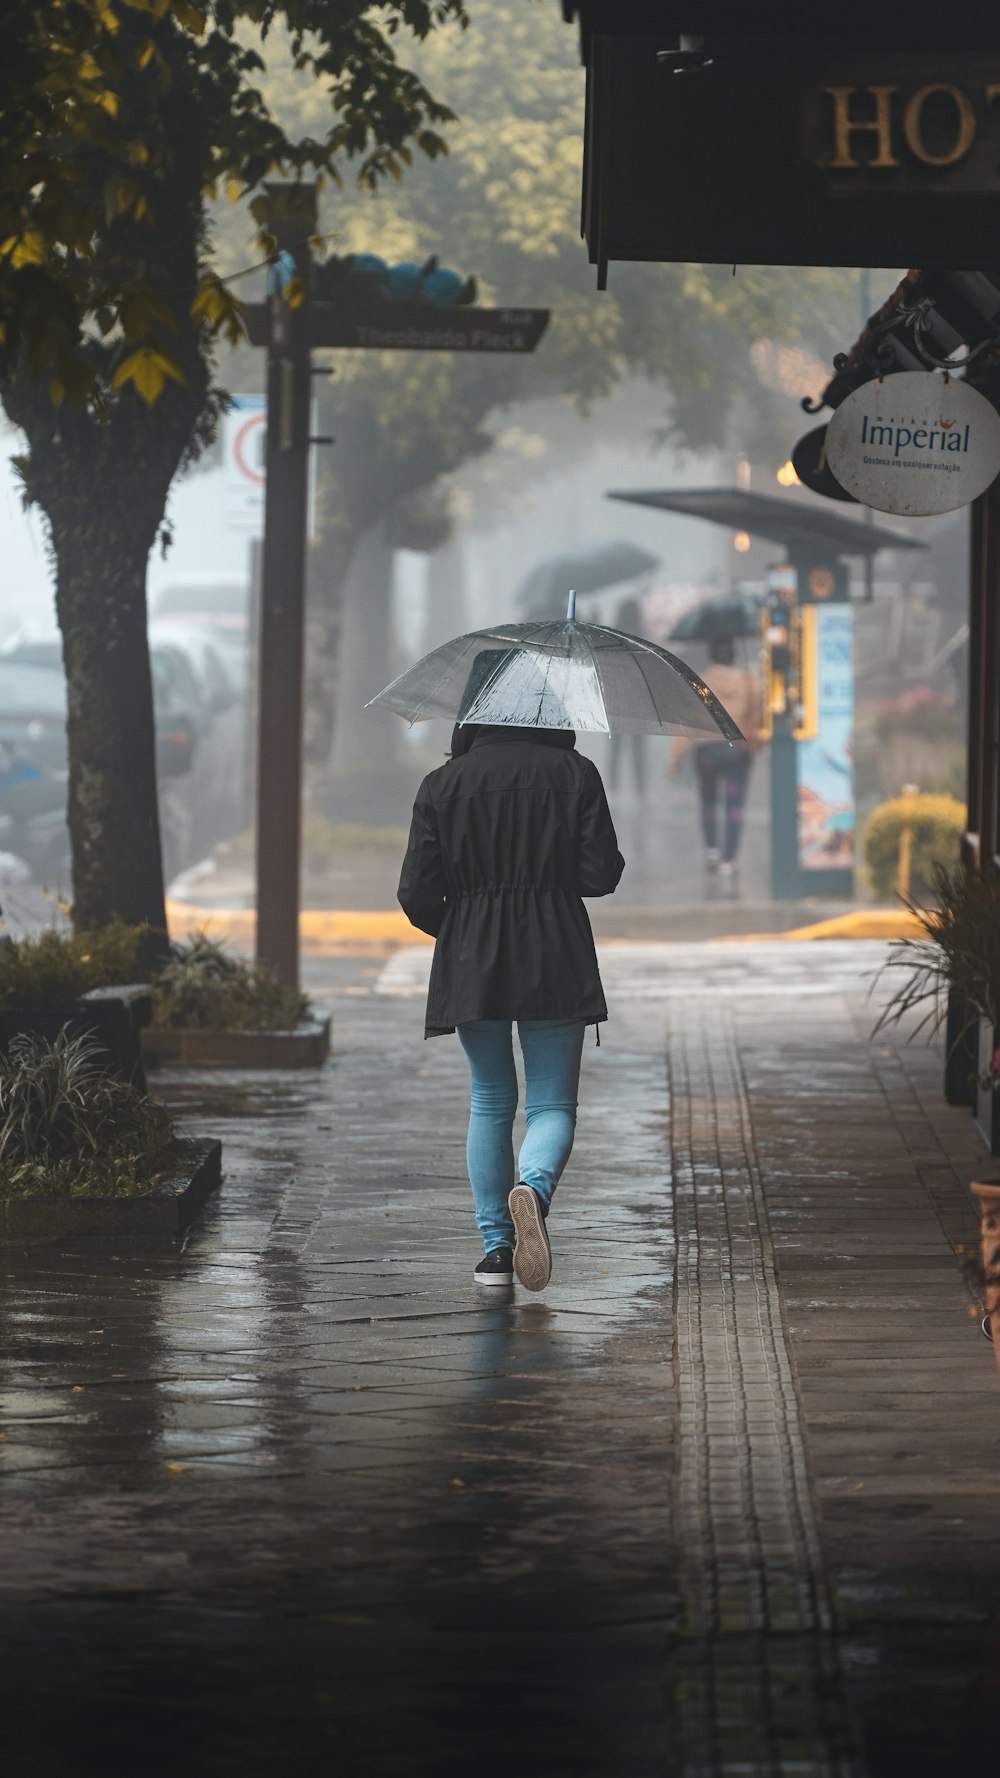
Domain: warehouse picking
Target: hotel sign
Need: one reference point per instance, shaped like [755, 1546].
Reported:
[907, 130]
[794, 153]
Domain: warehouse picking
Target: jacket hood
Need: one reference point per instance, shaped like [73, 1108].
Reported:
[465, 736]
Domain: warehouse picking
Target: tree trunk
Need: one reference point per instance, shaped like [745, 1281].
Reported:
[103, 487]
[113, 813]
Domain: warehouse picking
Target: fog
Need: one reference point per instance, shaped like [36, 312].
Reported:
[539, 490]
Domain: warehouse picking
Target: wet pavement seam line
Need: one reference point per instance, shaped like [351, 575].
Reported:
[756, 1676]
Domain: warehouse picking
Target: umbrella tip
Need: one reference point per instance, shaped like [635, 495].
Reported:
[571, 610]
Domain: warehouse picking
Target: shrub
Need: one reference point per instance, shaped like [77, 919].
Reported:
[202, 988]
[68, 1127]
[958, 947]
[936, 824]
[55, 968]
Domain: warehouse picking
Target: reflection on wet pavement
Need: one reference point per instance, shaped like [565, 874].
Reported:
[718, 1502]
[306, 1445]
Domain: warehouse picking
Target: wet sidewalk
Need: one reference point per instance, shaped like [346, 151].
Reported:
[723, 1500]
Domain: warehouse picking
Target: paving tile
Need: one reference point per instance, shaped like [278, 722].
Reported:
[308, 1490]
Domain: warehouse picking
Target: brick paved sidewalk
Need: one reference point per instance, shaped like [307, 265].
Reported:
[723, 1500]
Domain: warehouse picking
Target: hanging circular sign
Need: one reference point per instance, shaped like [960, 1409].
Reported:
[914, 443]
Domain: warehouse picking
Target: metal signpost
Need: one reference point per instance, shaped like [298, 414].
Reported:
[289, 325]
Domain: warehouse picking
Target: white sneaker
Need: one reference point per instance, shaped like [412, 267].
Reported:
[532, 1253]
[727, 867]
[712, 858]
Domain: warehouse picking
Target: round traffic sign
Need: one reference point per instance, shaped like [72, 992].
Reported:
[248, 448]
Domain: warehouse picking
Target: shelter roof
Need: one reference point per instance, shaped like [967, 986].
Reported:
[782, 521]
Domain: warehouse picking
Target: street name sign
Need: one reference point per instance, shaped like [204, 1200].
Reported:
[380, 325]
[419, 327]
[915, 443]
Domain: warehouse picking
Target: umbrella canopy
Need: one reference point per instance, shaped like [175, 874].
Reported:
[738, 614]
[589, 570]
[560, 675]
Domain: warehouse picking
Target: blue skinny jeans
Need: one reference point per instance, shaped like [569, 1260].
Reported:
[552, 1049]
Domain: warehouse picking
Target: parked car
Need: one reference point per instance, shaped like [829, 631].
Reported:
[33, 766]
[33, 770]
[218, 659]
[178, 698]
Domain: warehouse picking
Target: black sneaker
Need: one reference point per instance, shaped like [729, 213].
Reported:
[532, 1255]
[496, 1268]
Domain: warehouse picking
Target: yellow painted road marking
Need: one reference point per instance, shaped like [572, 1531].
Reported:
[350, 932]
[884, 923]
[323, 932]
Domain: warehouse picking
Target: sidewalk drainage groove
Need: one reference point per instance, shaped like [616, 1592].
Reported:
[755, 1677]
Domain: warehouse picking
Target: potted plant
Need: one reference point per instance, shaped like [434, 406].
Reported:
[955, 960]
[84, 1152]
[79, 981]
[987, 1273]
[220, 1011]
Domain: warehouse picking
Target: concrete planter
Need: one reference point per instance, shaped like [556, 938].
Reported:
[307, 1046]
[116, 1016]
[961, 1042]
[987, 1106]
[158, 1215]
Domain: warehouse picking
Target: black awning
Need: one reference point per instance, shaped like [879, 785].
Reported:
[969, 22]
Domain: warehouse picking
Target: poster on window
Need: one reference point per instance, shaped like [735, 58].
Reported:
[825, 761]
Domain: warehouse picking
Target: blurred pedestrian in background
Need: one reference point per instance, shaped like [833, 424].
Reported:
[629, 618]
[723, 768]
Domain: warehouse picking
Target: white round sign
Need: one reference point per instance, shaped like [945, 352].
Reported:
[914, 443]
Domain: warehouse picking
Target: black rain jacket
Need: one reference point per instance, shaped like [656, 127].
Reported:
[506, 838]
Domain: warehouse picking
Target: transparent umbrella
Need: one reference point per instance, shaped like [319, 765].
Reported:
[560, 675]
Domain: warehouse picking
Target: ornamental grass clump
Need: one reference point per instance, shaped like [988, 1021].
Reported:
[958, 950]
[69, 1128]
[54, 969]
[203, 988]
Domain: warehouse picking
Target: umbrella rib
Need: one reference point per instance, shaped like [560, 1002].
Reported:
[730, 730]
[486, 686]
[637, 657]
[424, 701]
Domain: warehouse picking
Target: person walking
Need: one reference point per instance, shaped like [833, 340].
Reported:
[506, 839]
[723, 768]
